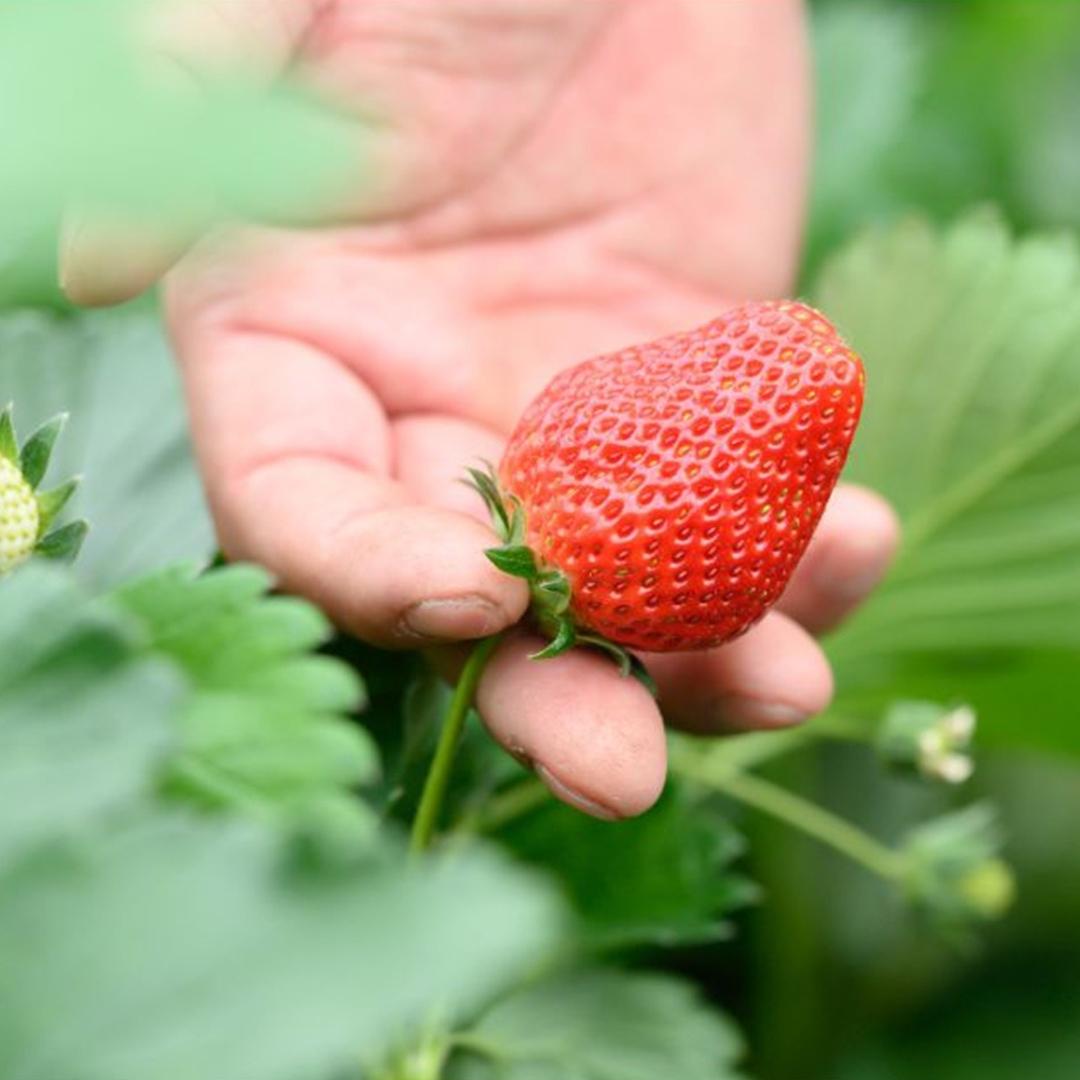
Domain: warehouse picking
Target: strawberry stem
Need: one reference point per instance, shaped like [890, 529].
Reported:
[438, 776]
[802, 814]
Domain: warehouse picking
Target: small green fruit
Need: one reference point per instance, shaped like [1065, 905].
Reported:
[20, 518]
[26, 514]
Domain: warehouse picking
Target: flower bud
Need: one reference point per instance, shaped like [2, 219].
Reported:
[930, 739]
[955, 874]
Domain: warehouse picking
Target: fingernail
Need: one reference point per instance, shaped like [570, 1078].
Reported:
[454, 618]
[574, 798]
[752, 714]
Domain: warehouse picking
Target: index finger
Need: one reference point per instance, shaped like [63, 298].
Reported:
[295, 452]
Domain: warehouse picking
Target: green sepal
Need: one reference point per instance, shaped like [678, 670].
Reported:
[34, 459]
[9, 442]
[549, 589]
[640, 672]
[565, 638]
[514, 559]
[553, 592]
[51, 502]
[483, 481]
[64, 543]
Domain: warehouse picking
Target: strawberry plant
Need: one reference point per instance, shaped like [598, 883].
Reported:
[205, 816]
[237, 843]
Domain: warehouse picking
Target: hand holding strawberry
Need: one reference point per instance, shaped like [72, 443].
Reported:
[557, 180]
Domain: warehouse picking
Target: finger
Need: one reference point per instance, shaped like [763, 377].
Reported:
[772, 677]
[848, 556]
[295, 452]
[104, 262]
[593, 736]
[432, 454]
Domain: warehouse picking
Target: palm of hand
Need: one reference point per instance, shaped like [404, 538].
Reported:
[574, 187]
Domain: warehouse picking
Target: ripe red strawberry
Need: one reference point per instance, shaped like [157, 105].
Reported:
[660, 497]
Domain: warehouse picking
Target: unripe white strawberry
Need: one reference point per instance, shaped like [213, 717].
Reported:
[20, 517]
[26, 514]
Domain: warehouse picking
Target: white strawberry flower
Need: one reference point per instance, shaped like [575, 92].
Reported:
[943, 747]
[933, 740]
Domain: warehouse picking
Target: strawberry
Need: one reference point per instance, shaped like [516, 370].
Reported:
[660, 497]
[26, 514]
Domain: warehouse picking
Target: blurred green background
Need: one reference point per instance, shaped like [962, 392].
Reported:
[940, 104]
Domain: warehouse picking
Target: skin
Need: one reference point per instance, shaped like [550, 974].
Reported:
[550, 179]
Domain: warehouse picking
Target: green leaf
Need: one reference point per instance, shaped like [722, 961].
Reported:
[264, 726]
[870, 63]
[176, 949]
[64, 544]
[127, 434]
[600, 1025]
[180, 950]
[662, 878]
[35, 454]
[972, 428]
[898, 126]
[84, 714]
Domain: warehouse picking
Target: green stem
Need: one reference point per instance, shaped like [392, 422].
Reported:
[758, 747]
[431, 799]
[512, 803]
[808, 817]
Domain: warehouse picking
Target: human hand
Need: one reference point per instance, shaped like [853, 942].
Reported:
[551, 179]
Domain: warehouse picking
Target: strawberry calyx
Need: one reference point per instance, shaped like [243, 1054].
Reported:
[27, 514]
[549, 587]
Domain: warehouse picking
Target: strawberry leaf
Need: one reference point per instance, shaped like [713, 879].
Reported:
[85, 714]
[971, 341]
[663, 878]
[263, 730]
[179, 948]
[598, 1025]
[182, 946]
